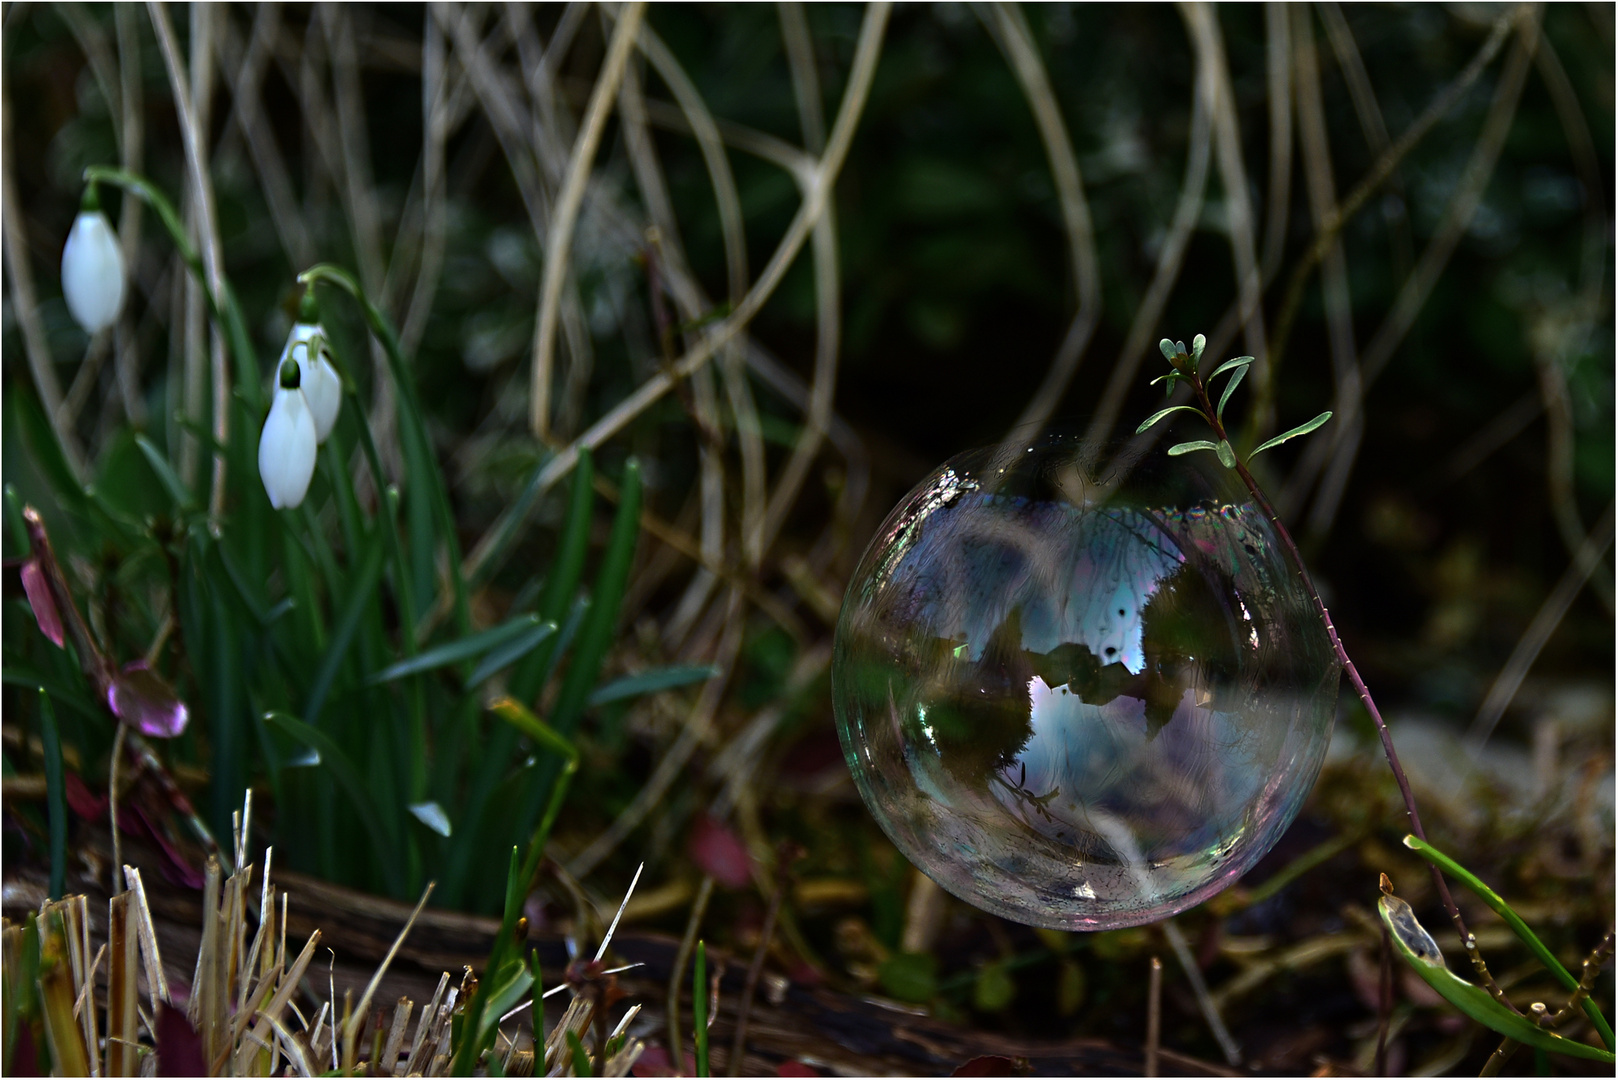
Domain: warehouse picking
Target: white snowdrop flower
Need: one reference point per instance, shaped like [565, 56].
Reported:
[93, 267]
[322, 387]
[286, 449]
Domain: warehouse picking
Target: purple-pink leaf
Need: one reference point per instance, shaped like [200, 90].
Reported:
[179, 1047]
[41, 600]
[144, 701]
[719, 852]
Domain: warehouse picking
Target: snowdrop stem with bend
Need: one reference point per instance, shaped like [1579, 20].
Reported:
[1205, 406]
[224, 308]
[417, 446]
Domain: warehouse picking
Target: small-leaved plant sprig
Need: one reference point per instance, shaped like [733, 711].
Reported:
[1499, 1014]
[1184, 366]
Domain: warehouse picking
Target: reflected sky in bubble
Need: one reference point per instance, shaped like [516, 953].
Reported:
[1080, 704]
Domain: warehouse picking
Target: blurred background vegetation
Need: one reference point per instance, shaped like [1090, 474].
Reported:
[1030, 199]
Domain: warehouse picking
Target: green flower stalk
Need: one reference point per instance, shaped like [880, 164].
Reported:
[322, 386]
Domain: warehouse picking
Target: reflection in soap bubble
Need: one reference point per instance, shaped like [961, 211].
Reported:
[1081, 701]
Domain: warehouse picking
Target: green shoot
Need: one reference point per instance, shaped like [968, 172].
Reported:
[1503, 909]
[1418, 949]
[699, 1006]
[56, 794]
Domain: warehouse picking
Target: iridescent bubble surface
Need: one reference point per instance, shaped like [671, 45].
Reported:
[1081, 699]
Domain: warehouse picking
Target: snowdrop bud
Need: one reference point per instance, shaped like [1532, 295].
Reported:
[286, 449]
[93, 267]
[322, 388]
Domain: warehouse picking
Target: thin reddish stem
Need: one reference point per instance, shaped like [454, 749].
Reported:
[1468, 941]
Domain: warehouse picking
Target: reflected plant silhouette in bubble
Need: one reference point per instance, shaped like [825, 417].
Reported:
[1076, 700]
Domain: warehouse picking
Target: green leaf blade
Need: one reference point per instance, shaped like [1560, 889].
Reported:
[1188, 447]
[55, 794]
[522, 718]
[1515, 921]
[348, 623]
[1148, 423]
[1230, 388]
[595, 636]
[432, 815]
[505, 655]
[1238, 362]
[342, 767]
[165, 473]
[650, 682]
[1301, 429]
[1415, 946]
[454, 652]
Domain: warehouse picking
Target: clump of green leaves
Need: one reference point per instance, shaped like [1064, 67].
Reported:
[329, 650]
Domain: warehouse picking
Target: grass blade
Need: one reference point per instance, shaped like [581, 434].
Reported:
[432, 815]
[649, 682]
[508, 654]
[45, 453]
[581, 1060]
[699, 1006]
[1418, 949]
[491, 553]
[63, 1033]
[55, 793]
[359, 595]
[390, 531]
[15, 524]
[568, 567]
[520, 717]
[21, 675]
[563, 581]
[536, 1015]
[515, 713]
[228, 711]
[454, 652]
[1515, 921]
[165, 473]
[595, 636]
[360, 1014]
[596, 631]
[332, 757]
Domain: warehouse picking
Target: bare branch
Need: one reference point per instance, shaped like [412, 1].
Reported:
[559, 235]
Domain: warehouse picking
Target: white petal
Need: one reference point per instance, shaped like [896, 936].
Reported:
[93, 272]
[324, 393]
[286, 450]
[322, 389]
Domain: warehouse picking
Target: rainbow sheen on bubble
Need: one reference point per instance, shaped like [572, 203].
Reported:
[1081, 698]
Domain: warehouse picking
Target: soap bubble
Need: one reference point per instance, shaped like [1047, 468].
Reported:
[1080, 698]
